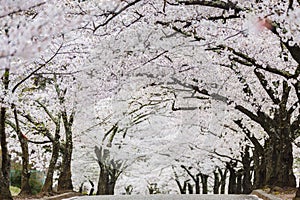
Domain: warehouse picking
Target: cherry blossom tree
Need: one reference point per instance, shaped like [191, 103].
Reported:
[275, 100]
[283, 112]
[164, 70]
[27, 29]
[173, 49]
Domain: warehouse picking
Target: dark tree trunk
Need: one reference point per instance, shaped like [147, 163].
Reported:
[190, 188]
[25, 186]
[246, 181]
[258, 162]
[47, 187]
[111, 187]
[259, 169]
[92, 189]
[109, 172]
[65, 177]
[279, 163]
[217, 182]
[196, 178]
[107, 181]
[182, 188]
[204, 178]
[103, 181]
[223, 180]
[5, 165]
[197, 184]
[232, 178]
[278, 152]
[239, 187]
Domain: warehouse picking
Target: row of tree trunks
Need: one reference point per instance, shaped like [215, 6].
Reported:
[186, 186]
[273, 160]
[65, 181]
[65, 175]
[220, 181]
[239, 180]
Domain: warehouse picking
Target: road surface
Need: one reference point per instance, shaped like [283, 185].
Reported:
[168, 197]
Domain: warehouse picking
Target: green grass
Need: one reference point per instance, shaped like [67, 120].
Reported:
[14, 190]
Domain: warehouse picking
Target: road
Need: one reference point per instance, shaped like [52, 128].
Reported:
[168, 197]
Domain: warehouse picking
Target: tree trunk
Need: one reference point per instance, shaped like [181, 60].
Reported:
[190, 188]
[182, 188]
[232, 178]
[195, 178]
[278, 152]
[103, 181]
[47, 187]
[197, 184]
[223, 180]
[259, 169]
[108, 176]
[65, 177]
[111, 187]
[5, 165]
[239, 186]
[246, 181]
[204, 178]
[92, 189]
[279, 162]
[25, 186]
[217, 182]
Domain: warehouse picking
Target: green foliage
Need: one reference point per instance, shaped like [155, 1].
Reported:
[36, 183]
[14, 190]
[15, 178]
[36, 180]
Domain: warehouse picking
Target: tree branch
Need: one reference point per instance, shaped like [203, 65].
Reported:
[248, 61]
[189, 173]
[22, 10]
[116, 14]
[180, 30]
[215, 4]
[263, 81]
[253, 139]
[37, 69]
[47, 112]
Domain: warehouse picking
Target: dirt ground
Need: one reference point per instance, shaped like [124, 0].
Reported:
[283, 193]
[50, 197]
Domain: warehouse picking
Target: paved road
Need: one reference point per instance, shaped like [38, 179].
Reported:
[168, 197]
